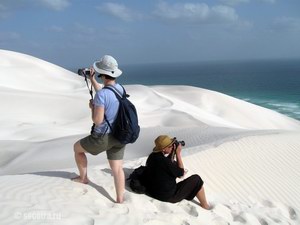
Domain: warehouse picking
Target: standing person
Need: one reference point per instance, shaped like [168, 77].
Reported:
[161, 173]
[104, 103]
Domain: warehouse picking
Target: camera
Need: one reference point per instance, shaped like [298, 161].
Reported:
[84, 72]
[175, 146]
[176, 143]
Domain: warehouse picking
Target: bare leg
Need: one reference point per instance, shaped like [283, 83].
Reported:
[81, 162]
[119, 178]
[202, 198]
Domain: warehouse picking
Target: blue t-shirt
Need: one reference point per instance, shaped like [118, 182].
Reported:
[107, 99]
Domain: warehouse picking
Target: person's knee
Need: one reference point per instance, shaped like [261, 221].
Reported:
[75, 147]
[78, 148]
[197, 179]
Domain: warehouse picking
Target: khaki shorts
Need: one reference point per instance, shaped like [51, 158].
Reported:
[96, 144]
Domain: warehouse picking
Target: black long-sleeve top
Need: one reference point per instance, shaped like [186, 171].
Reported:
[161, 174]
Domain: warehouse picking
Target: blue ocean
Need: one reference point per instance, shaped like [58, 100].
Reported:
[274, 84]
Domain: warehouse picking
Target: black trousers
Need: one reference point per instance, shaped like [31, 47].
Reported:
[187, 189]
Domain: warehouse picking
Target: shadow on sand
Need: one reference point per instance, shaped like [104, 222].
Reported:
[69, 176]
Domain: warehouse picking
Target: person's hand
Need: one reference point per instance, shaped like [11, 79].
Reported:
[91, 104]
[178, 149]
[92, 75]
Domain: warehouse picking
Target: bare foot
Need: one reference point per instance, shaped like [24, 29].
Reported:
[207, 207]
[79, 180]
[120, 201]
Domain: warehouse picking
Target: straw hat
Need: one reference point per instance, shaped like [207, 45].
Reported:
[107, 65]
[161, 142]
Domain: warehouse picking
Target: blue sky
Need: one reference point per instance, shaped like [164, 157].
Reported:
[74, 33]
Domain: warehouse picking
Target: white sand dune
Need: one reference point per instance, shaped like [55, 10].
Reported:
[247, 155]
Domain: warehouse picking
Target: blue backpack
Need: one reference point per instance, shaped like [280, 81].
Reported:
[125, 128]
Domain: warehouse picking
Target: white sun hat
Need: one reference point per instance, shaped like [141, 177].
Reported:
[107, 65]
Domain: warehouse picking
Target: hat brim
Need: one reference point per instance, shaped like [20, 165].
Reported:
[116, 73]
[155, 149]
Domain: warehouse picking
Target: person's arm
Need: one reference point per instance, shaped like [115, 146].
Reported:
[97, 86]
[97, 113]
[178, 156]
[175, 168]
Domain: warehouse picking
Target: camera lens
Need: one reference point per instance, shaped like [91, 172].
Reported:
[84, 72]
[80, 72]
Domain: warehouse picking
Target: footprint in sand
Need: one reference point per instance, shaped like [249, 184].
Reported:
[267, 212]
[263, 221]
[190, 209]
[268, 204]
[223, 212]
[280, 212]
[120, 208]
[162, 206]
[252, 219]
[292, 213]
[219, 221]
[239, 218]
[105, 207]
[80, 190]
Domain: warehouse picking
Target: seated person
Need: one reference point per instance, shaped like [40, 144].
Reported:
[161, 173]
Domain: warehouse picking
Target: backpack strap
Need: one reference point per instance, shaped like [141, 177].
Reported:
[118, 94]
[119, 97]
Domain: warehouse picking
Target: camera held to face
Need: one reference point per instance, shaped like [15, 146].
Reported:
[175, 146]
[84, 72]
[176, 143]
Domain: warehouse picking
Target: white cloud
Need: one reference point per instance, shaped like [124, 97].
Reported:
[117, 10]
[196, 13]
[9, 6]
[223, 13]
[57, 5]
[187, 11]
[234, 2]
[269, 1]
